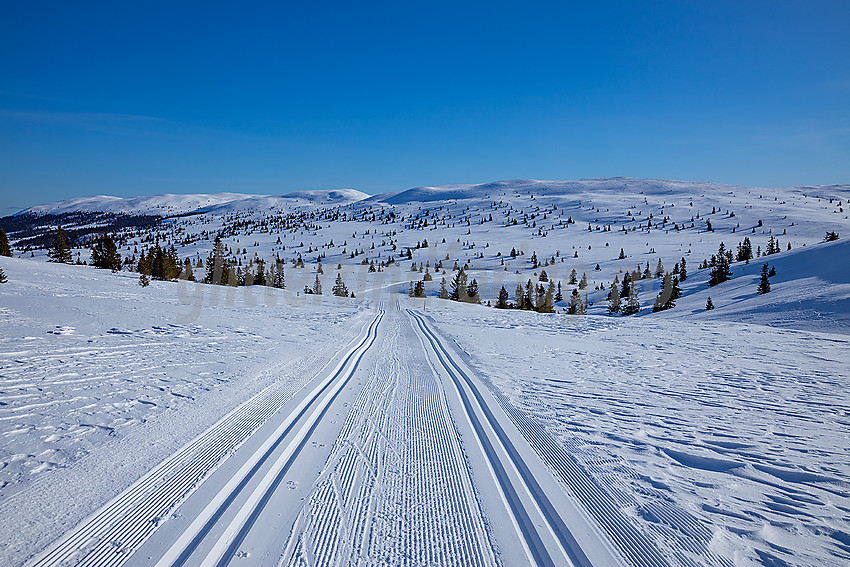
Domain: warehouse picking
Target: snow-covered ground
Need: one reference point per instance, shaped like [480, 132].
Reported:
[102, 379]
[708, 436]
[193, 422]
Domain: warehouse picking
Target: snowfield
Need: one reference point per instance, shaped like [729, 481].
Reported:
[194, 424]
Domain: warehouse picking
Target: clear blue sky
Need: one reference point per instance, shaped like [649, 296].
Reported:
[130, 98]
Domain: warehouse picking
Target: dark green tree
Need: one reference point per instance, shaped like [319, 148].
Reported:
[3, 276]
[104, 254]
[60, 251]
[764, 283]
[5, 249]
[720, 272]
[502, 302]
[709, 305]
[339, 288]
[458, 290]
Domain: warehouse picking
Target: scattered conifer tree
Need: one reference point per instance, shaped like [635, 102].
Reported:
[764, 283]
[317, 286]
[633, 303]
[104, 254]
[709, 305]
[574, 301]
[60, 251]
[502, 302]
[5, 249]
[3, 276]
[472, 292]
[458, 287]
[444, 293]
[683, 271]
[720, 272]
[144, 280]
[614, 303]
[339, 288]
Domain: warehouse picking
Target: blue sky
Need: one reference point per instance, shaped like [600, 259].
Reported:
[148, 97]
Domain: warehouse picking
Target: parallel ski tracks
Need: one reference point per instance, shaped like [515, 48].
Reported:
[397, 488]
[110, 535]
[515, 481]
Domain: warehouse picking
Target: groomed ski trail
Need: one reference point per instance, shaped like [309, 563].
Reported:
[397, 489]
[110, 536]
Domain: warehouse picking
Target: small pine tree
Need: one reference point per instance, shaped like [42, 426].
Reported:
[614, 303]
[720, 272]
[317, 286]
[459, 290]
[339, 288]
[558, 295]
[5, 249]
[764, 283]
[60, 251]
[502, 302]
[444, 293]
[3, 276]
[104, 254]
[709, 305]
[633, 304]
[144, 280]
[573, 305]
[582, 284]
[544, 277]
[683, 271]
[472, 292]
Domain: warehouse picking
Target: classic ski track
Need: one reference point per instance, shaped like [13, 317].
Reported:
[108, 537]
[226, 546]
[396, 489]
[480, 415]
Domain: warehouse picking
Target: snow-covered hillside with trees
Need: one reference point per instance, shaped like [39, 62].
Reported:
[590, 372]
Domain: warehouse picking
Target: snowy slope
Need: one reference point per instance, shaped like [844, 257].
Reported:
[167, 204]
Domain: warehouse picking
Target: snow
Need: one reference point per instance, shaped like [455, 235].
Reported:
[685, 437]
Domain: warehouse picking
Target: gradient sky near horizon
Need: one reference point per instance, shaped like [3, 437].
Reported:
[155, 97]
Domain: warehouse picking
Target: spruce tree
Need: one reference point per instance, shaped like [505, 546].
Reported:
[502, 302]
[458, 287]
[339, 288]
[317, 286]
[720, 272]
[709, 305]
[683, 271]
[60, 251]
[665, 298]
[472, 292]
[277, 278]
[614, 303]
[444, 293]
[633, 304]
[520, 297]
[3, 276]
[5, 249]
[558, 295]
[572, 303]
[764, 284]
[104, 254]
